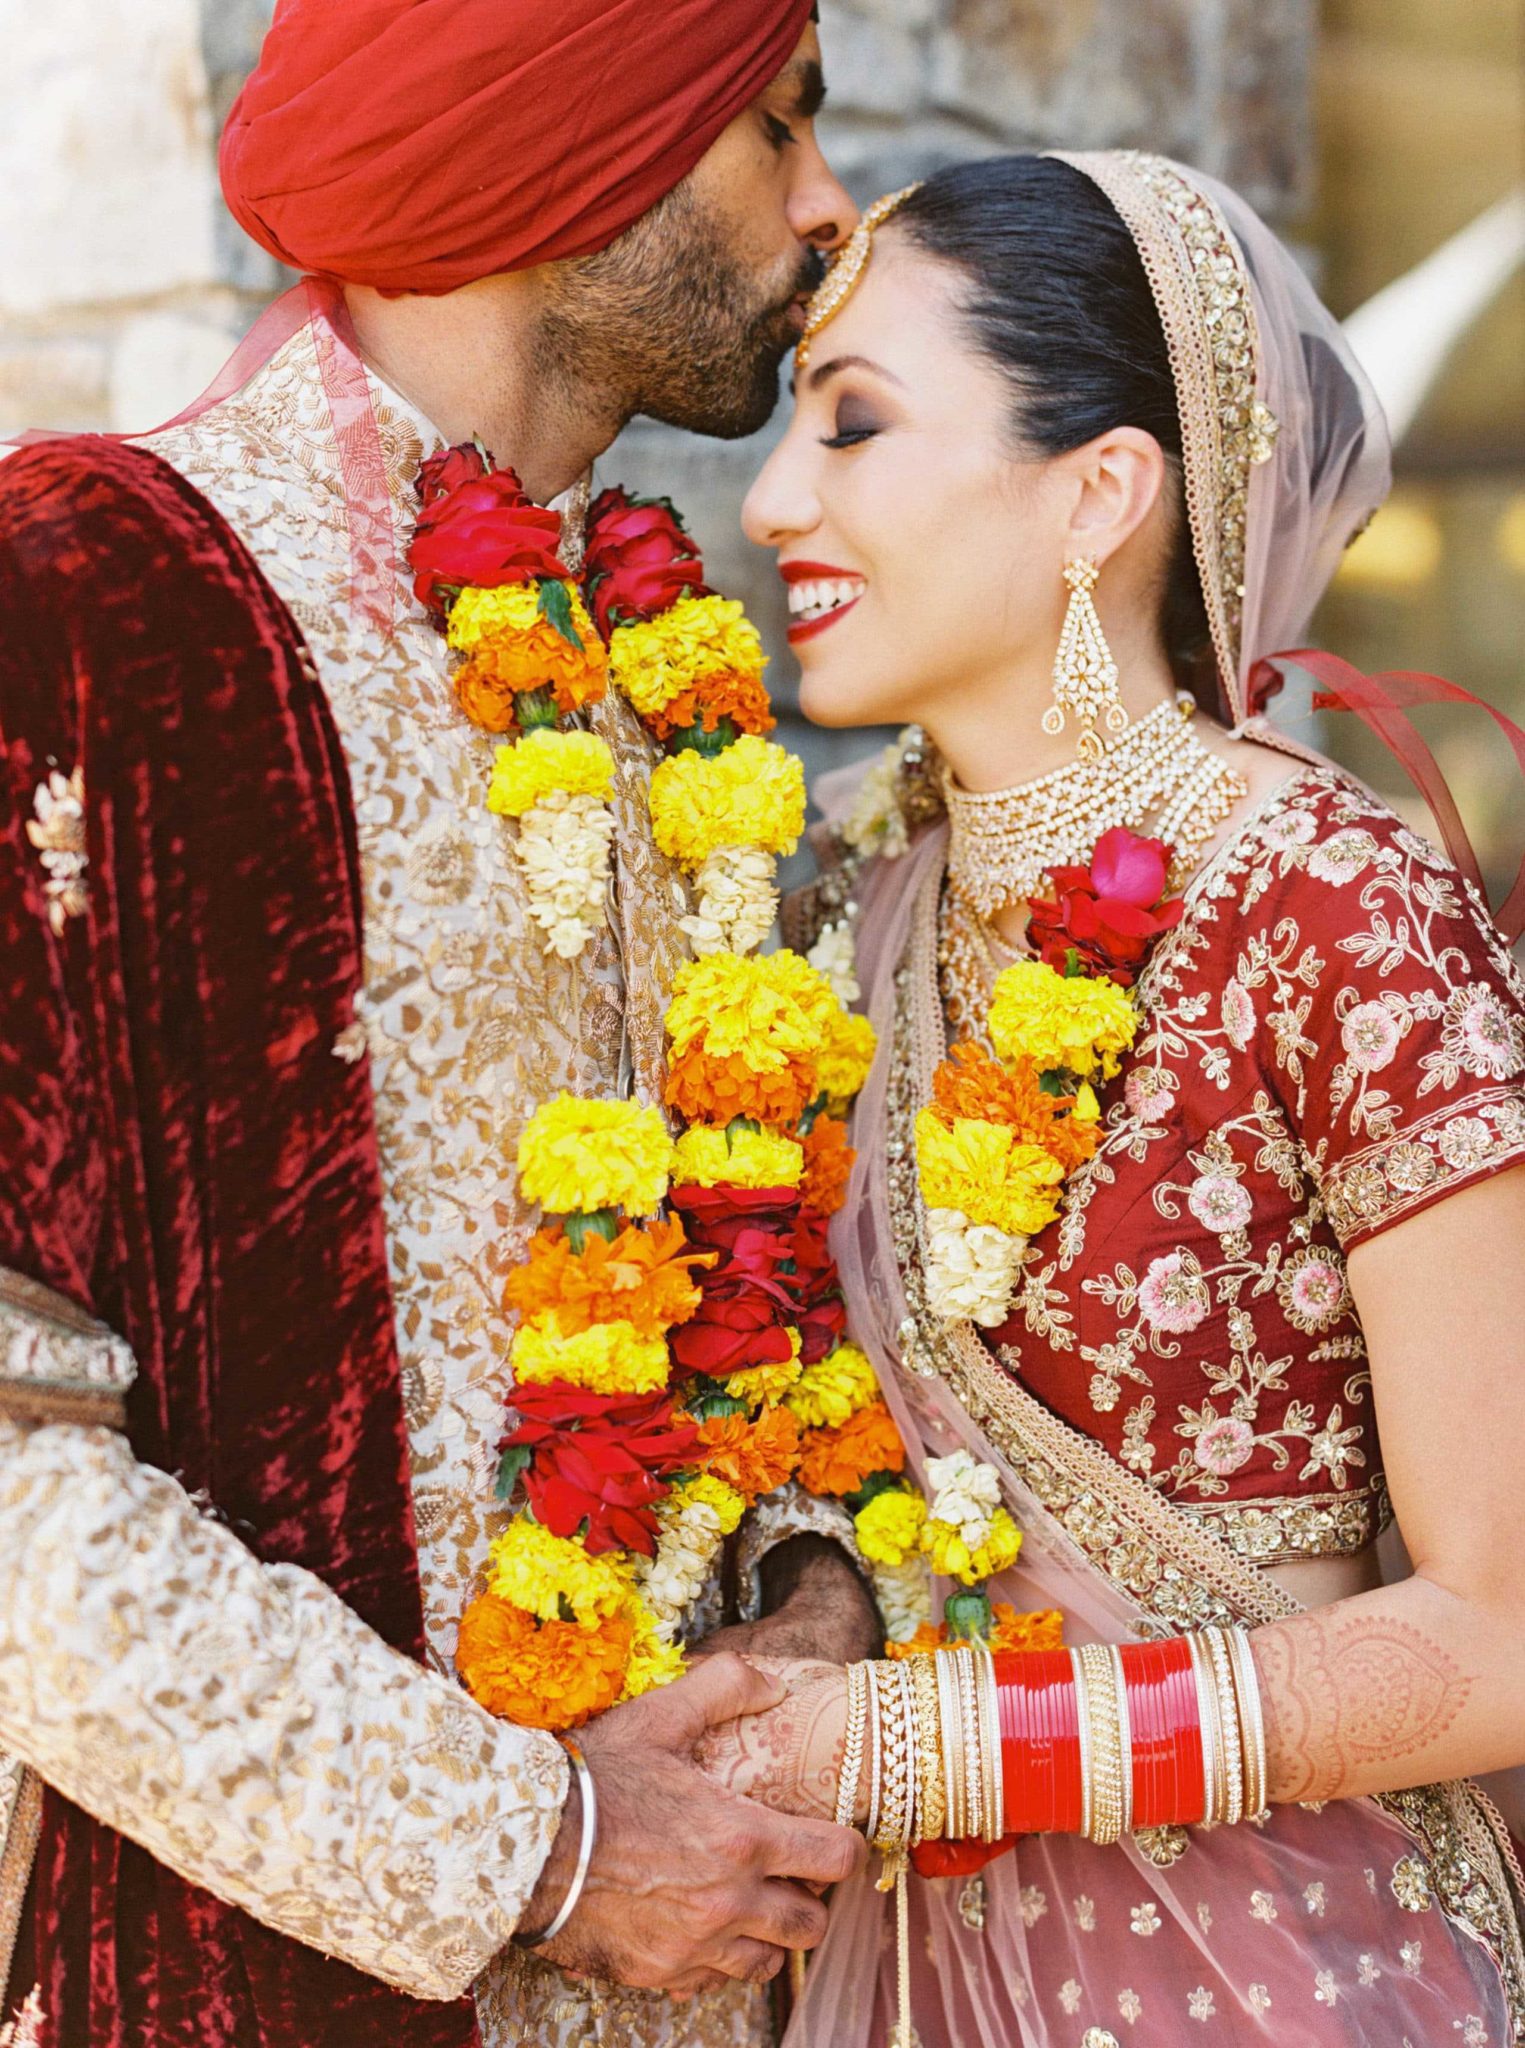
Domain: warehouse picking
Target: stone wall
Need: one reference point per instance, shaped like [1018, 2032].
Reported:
[123, 282]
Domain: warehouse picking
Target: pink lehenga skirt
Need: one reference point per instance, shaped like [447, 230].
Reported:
[1394, 1923]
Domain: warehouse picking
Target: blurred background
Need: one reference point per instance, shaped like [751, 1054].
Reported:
[1384, 138]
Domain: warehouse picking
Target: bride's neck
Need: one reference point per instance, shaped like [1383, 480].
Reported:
[993, 738]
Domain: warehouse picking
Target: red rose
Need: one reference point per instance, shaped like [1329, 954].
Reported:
[600, 1462]
[742, 1321]
[1107, 915]
[820, 1312]
[447, 471]
[640, 561]
[486, 533]
[716, 1218]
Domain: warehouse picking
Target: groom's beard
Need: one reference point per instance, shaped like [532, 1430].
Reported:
[667, 323]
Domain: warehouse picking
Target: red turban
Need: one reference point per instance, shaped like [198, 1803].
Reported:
[418, 145]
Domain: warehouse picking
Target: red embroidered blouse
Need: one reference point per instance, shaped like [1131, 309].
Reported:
[1334, 1038]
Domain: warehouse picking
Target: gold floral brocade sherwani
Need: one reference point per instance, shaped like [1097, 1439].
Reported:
[467, 1025]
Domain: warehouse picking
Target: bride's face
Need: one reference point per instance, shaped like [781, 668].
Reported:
[923, 553]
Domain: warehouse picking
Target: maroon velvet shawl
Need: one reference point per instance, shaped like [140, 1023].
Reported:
[183, 1155]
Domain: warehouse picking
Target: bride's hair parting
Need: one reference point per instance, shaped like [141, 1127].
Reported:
[1055, 296]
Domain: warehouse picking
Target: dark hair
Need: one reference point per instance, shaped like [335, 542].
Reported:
[1056, 297]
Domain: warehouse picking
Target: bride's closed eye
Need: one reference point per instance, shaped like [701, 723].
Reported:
[855, 424]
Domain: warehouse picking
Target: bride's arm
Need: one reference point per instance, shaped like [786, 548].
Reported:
[1416, 1682]
[1425, 1679]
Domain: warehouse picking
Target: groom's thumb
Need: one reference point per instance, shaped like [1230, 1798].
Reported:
[723, 1688]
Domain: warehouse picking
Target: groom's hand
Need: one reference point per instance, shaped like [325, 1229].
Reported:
[690, 1883]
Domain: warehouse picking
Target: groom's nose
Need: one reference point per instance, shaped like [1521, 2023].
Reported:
[819, 208]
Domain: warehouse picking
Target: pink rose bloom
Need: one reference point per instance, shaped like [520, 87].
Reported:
[1316, 1291]
[1225, 1446]
[1291, 829]
[1173, 1295]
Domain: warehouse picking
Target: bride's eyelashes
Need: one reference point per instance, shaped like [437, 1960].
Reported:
[854, 425]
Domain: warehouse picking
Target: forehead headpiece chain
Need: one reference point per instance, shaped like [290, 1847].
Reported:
[846, 272]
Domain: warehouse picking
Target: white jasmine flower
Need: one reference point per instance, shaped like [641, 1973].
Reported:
[737, 902]
[835, 955]
[971, 1268]
[965, 1493]
[562, 851]
[874, 824]
[904, 1594]
[690, 1542]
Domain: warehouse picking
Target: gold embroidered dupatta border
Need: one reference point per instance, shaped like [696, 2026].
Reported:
[1152, 1552]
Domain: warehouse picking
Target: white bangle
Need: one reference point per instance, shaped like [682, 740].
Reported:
[584, 1850]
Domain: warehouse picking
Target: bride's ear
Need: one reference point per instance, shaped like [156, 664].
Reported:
[1117, 480]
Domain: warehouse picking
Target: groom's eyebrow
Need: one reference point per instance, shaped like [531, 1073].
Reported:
[806, 81]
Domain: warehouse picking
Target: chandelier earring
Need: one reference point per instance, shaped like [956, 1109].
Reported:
[1085, 675]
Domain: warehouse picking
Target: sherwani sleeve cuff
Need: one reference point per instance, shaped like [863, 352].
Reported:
[791, 1511]
[238, 1719]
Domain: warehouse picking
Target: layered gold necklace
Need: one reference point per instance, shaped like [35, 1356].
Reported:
[1156, 776]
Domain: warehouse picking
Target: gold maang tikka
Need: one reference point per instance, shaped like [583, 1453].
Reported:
[1085, 675]
[847, 268]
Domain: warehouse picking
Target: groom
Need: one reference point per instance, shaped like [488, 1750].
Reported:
[273, 1016]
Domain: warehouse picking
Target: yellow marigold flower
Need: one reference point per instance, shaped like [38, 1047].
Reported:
[543, 763]
[764, 1386]
[753, 794]
[948, 1553]
[577, 1155]
[889, 1528]
[708, 1158]
[532, 1569]
[729, 1505]
[826, 1394]
[654, 1661]
[1061, 1021]
[655, 660]
[765, 1009]
[606, 1358]
[987, 1173]
[843, 1068]
[508, 637]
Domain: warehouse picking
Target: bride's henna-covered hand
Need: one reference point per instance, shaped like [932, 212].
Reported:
[790, 1756]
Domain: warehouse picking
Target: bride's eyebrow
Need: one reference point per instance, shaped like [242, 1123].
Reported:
[824, 372]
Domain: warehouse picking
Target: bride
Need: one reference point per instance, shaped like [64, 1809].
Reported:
[1089, 403]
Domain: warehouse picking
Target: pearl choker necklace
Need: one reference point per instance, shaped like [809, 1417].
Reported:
[1158, 770]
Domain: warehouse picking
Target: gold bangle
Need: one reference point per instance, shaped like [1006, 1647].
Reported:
[875, 1752]
[956, 1822]
[1106, 1744]
[990, 1741]
[896, 1762]
[1252, 1724]
[1212, 1771]
[852, 1746]
[974, 1788]
[1229, 1723]
[1125, 1726]
[1083, 1730]
[932, 1815]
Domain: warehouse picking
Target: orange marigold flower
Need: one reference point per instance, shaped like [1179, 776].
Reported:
[971, 1084]
[552, 1674]
[538, 658]
[839, 1460]
[704, 1089]
[1042, 1630]
[828, 1163]
[928, 1637]
[754, 1457]
[643, 1277]
[740, 698]
[486, 700]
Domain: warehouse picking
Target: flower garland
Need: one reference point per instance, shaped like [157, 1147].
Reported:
[1001, 1133]
[485, 562]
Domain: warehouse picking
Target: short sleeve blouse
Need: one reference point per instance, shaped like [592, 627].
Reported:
[1334, 1038]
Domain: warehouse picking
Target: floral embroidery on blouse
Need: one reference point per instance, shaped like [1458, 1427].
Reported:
[1334, 1037]
[57, 831]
